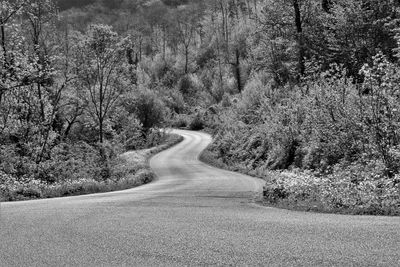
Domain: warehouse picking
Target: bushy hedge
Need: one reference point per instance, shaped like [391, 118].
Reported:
[337, 192]
[329, 127]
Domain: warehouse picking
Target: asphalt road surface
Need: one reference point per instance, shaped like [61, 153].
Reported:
[192, 215]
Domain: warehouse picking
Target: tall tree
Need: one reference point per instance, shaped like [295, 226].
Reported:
[300, 39]
[40, 14]
[185, 32]
[9, 10]
[101, 72]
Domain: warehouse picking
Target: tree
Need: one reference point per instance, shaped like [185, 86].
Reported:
[8, 10]
[274, 43]
[39, 15]
[299, 31]
[356, 29]
[186, 30]
[8, 72]
[148, 109]
[100, 69]
[240, 29]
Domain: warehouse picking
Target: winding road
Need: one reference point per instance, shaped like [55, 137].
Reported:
[193, 214]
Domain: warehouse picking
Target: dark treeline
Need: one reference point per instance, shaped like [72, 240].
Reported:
[308, 89]
[66, 4]
[115, 4]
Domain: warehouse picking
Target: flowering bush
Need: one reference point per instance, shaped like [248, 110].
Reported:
[339, 191]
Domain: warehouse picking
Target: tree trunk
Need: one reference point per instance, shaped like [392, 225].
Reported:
[186, 59]
[248, 9]
[326, 5]
[39, 88]
[68, 129]
[219, 61]
[3, 41]
[101, 131]
[140, 49]
[224, 27]
[100, 115]
[164, 42]
[299, 30]
[255, 9]
[237, 71]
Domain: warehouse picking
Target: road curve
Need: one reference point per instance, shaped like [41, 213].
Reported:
[194, 215]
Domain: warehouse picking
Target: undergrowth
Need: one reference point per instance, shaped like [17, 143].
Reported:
[129, 170]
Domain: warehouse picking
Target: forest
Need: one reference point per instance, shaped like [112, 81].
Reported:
[302, 93]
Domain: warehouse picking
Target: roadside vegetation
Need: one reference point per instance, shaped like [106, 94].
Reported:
[71, 102]
[332, 149]
[77, 176]
[303, 94]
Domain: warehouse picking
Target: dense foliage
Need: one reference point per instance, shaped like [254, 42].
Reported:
[341, 145]
[67, 107]
[301, 93]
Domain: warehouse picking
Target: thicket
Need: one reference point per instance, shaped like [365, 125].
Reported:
[337, 141]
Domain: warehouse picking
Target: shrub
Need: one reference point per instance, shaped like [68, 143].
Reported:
[179, 122]
[342, 137]
[205, 56]
[185, 85]
[130, 135]
[148, 108]
[196, 124]
[155, 138]
[342, 191]
[71, 162]
[175, 102]
[144, 176]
